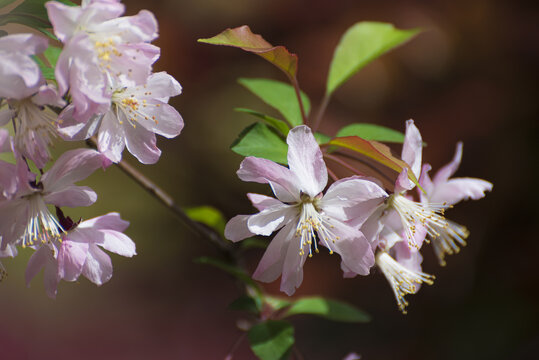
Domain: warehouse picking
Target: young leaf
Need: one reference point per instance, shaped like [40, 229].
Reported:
[321, 138]
[271, 339]
[276, 123]
[376, 151]
[52, 54]
[242, 37]
[280, 96]
[46, 70]
[372, 132]
[260, 141]
[231, 269]
[209, 216]
[326, 308]
[361, 44]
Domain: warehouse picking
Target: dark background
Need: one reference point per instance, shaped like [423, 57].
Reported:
[471, 76]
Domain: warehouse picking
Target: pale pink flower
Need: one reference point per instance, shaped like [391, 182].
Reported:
[18, 72]
[136, 114]
[303, 214]
[442, 189]
[25, 218]
[101, 49]
[79, 251]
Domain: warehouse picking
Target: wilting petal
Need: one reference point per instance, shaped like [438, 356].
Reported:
[98, 267]
[305, 161]
[271, 265]
[71, 259]
[236, 228]
[265, 171]
[459, 189]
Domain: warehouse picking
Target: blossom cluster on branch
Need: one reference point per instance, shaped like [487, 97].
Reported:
[103, 87]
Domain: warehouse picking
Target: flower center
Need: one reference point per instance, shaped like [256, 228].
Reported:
[312, 223]
[131, 107]
[42, 226]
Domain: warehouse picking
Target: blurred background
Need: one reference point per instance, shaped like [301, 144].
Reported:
[471, 76]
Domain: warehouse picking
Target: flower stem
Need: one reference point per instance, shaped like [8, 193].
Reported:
[320, 113]
[298, 95]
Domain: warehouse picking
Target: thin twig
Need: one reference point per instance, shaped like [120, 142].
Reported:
[295, 84]
[320, 113]
[230, 354]
[167, 200]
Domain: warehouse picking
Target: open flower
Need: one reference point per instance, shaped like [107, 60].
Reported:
[79, 252]
[442, 189]
[101, 48]
[135, 115]
[306, 218]
[25, 218]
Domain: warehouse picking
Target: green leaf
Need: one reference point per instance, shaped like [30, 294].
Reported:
[376, 151]
[361, 44]
[6, 3]
[209, 216]
[276, 302]
[321, 138]
[242, 37]
[52, 54]
[229, 268]
[30, 12]
[246, 303]
[279, 95]
[48, 72]
[326, 308]
[260, 141]
[276, 123]
[372, 132]
[253, 242]
[271, 339]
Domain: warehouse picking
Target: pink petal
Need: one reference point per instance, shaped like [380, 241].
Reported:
[261, 202]
[98, 267]
[168, 122]
[118, 243]
[458, 189]
[448, 170]
[266, 171]
[293, 267]
[403, 183]
[305, 161]
[355, 250]
[111, 137]
[36, 262]
[142, 144]
[271, 265]
[407, 256]
[412, 147]
[5, 116]
[64, 18]
[70, 167]
[425, 182]
[71, 129]
[50, 277]
[71, 259]
[110, 221]
[270, 219]
[72, 196]
[236, 228]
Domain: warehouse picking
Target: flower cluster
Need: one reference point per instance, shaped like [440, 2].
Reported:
[104, 87]
[355, 217]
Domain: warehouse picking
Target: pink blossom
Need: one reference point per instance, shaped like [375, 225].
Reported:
[25, 218]
[136, 114]
[101, 49]
[19, 74]
[302, 214]
[79, 251]
[442, 189]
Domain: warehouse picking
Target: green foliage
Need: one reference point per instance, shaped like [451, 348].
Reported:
[271, 339]
[276, 302]
[361, 44]
[321, 138]
[6, 3]
[51, 55]
[372, 132]
[209, 216]
[260, 141]
[242, 37]
[280, 125]
[326, 308]
[280, 96]
[253, 243]
[246, 303]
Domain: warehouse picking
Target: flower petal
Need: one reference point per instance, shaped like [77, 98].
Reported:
[271, 265]
[271, 219]
[458, 189]
[265, 171]
[305, 161]
[110, 221]
[448, 170]
[293, 266]
[111, 137]
[72, 196]
[71, 258]
[236, 228]
[412, 147]
[142, 144]
[261, 202]
[118, 243]
[98, 267]
[355, 250]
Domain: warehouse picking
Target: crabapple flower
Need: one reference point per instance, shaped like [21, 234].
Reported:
[135, 115]
[25, 218]
[18, 72]
[79, 251]
[100, 49]
[442, 189]
[302, 214]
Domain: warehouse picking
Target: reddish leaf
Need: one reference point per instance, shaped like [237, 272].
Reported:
[242, 37]
[376, 151]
